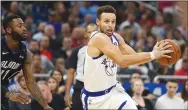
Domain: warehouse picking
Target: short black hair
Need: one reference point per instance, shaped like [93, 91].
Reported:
[105, 9]
[8, 20]
[172, 80]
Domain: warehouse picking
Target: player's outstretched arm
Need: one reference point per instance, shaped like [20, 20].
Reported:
[102, 42]
[31, 84]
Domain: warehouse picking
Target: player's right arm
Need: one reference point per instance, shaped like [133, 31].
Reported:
[101, 43]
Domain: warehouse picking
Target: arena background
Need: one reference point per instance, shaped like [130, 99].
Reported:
[151, 21]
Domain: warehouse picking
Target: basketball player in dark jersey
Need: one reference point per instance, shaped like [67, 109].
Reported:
[15, 57]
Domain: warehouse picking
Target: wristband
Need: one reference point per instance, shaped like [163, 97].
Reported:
[152, 56]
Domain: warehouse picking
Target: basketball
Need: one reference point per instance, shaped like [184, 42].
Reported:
[176, 54]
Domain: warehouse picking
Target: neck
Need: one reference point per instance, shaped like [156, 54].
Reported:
[170, 96]
[12, 44]
[137, 96]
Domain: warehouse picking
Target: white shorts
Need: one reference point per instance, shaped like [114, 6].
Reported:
[115, 98]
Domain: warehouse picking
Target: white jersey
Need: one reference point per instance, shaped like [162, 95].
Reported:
[100, 72]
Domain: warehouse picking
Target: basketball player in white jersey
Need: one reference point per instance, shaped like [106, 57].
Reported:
[106, 50]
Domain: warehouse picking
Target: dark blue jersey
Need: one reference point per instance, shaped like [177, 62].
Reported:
[11, 62]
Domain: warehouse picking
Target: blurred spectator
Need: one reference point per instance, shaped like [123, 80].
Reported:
[60, 65]
[40, 34]
[67, 43]
[127, 35]
[30, 26]
[61, 13]
[88, 8]
[52, 21]
[59, 77]
[146, 94]
[158, 29]
[14, 10]
[138, 88]
[46, 63]
[54, 41]
[54, 100]
[168, 25]
[177, 37]
[36, 64]
[22, 89]
[184, 52]
[33, 46]
[184, 93]
[78, 36]
[140, 36]
[170, 100]
[149, 44]
[26, 8]
[130, 22]
[184, 69]
[53, 84]
[65, 30]
[87, 20]
[44, 47]
[66, 48]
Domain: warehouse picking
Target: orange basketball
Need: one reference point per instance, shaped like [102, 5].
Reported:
[176, 54]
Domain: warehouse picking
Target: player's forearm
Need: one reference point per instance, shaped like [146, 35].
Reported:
[70, 78]
[35, 91]
[135, 59]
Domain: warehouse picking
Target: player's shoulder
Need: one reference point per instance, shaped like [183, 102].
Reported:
[117, 35]
[99, 36]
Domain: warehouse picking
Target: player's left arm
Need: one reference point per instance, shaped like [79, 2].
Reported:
[31, 83]
[124, 48]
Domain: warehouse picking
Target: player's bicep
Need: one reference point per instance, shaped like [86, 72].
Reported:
[27, 72]
[103, 43]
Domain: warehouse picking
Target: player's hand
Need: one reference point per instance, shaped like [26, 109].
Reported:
[48, 108]
[68, 100]
[161, 49]
[20, 97]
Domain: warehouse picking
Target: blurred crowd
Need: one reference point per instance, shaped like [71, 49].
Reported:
[55, 28]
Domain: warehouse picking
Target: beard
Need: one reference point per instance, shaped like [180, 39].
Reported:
[18, 37]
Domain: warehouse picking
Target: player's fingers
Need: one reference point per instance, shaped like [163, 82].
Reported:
[164, 44]
[21, 100]
[166, 56]
[167, 51]
[26, 98]
[167, 47]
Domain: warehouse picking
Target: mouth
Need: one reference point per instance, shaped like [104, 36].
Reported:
[24, 34]
[109, 32]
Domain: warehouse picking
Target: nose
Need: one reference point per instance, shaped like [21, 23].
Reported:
[24, 29]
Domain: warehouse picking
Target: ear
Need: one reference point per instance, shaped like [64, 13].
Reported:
[8, 30]
[97, 22]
